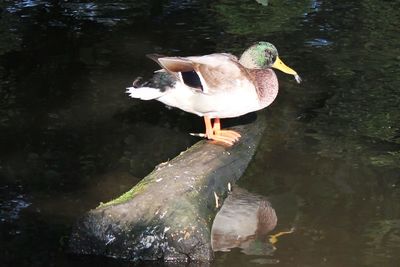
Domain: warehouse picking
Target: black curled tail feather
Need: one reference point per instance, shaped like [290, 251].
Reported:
[160, 80]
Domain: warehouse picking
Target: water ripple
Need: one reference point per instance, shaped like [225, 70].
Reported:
[11, 205]
[318, 42]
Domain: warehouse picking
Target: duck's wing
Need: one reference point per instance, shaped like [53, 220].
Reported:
[221, 72]
[181, 68]
[172, 64]
[210, 73]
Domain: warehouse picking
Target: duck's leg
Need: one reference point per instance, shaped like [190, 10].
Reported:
[227, 133]
[209, 128]
[211, 133]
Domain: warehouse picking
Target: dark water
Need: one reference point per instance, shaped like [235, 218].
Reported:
[71, 138]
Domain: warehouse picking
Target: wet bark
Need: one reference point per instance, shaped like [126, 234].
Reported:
[168, 215]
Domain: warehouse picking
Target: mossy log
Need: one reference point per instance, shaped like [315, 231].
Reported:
[168, 215]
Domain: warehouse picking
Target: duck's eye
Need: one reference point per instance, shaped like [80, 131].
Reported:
[271, 57]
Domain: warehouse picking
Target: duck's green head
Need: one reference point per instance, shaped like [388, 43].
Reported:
[264, 55]
[260, 55]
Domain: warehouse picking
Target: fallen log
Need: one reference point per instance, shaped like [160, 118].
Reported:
[168, 215]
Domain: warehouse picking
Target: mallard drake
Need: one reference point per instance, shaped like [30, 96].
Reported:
[216, 86]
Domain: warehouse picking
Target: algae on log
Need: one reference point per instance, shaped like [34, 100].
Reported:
[168, 215]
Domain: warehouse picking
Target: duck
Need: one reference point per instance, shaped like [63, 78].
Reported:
[216, 86]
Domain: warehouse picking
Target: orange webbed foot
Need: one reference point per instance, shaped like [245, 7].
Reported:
[224, 137]
[222, 140]
[229, 133]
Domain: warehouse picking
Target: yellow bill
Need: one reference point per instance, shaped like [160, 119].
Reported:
[278, 64]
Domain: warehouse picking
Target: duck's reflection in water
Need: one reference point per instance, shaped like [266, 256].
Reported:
[245, 221]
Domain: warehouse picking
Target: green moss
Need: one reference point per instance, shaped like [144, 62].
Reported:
[127, 195]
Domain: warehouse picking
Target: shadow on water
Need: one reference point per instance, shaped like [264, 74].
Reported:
[71, 138]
